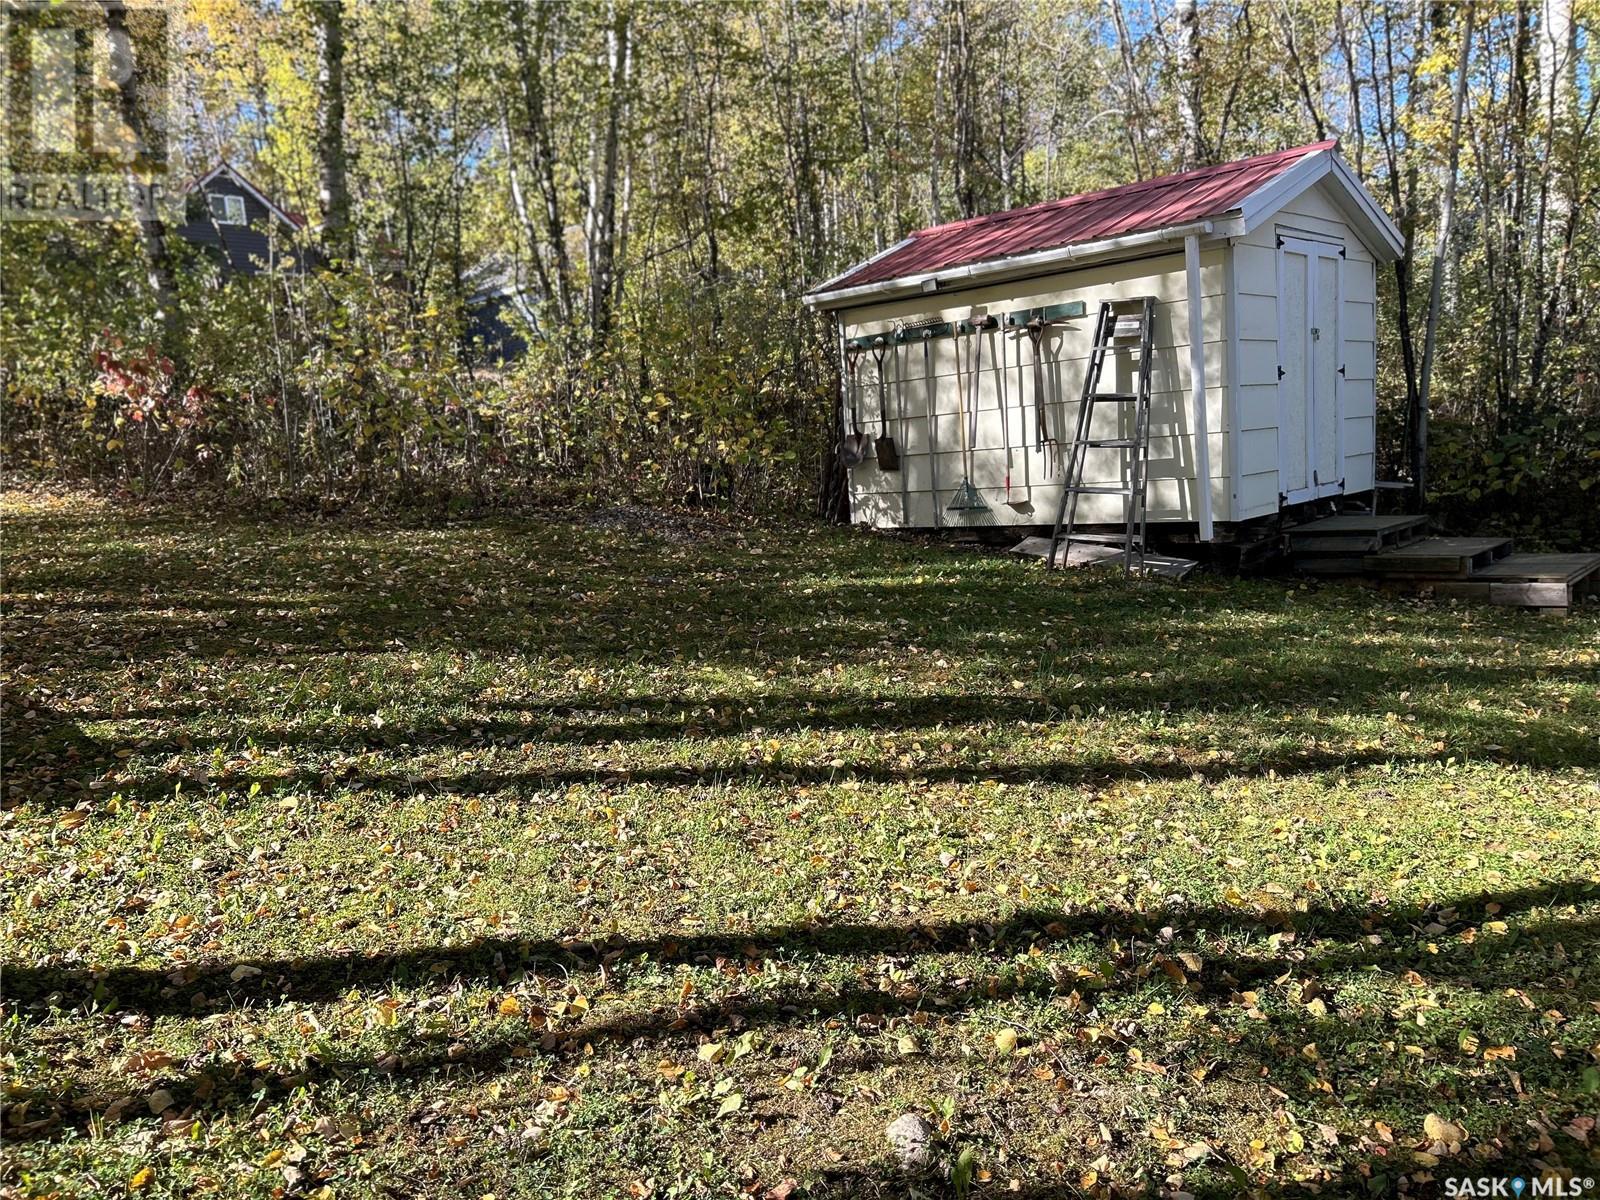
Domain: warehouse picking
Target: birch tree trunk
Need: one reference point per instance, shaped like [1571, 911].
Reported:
[601, 224]
[334, 193]
[1189, 100]
[1441, 249]
[153, 233]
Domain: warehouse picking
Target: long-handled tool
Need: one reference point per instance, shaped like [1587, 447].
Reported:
[1041, 427]
[931, 396]
[967, 498]
[853, 446]
[902, 422]
[1018, 321]
[1005, 415]
[1039, 320]
[1004, 365]
[888, 455]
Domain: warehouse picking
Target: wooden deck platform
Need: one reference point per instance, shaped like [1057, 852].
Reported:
[1438, 557]
[1343, 533]
[1395, 552]
[1530, 580]
[1339, 545]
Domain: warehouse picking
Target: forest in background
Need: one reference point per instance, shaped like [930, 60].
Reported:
[661, 183]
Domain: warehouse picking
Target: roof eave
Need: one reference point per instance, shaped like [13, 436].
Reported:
[823, 288]
[1378, 233]
[999, 269]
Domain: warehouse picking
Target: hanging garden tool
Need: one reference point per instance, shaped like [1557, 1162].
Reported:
[1039, 320]
[853, 447]
[1018, 321]
[888, 456]
[1043, 442]
[927, 332]
[967, 497]
[1002, 367]
[901, 420]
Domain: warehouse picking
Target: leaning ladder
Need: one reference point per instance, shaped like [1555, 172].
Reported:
[1119, 320]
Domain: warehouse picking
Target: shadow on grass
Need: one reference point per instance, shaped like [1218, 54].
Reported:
[55, 761]
[319, 978]
[549, 593]
[1547, 959]
[614, 608]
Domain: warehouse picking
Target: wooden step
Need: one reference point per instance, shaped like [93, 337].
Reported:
[1355, 533]
[1546, 581]
[1438, 558]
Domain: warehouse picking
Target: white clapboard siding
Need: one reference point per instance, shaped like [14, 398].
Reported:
[1065, 349]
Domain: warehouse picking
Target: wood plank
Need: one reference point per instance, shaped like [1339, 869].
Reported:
[1538, 594]
[1359, 523]
[1567, 567]
[1331, 565]
[1444, 557]
[1081, 555]
[1334, 544]
[1461, 589]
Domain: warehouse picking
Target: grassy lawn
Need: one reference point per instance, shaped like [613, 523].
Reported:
[594, 857]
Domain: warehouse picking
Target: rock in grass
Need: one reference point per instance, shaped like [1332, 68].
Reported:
[911, 1139]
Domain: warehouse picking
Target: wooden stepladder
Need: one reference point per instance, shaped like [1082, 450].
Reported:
[1119, 322]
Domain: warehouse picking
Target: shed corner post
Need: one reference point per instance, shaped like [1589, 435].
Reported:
[1197, 386]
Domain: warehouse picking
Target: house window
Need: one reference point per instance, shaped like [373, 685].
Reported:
[227, 210]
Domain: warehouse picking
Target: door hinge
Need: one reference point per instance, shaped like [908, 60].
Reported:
[1341, 368]
[1341, 252]
[1281, 372]
[1280, 243]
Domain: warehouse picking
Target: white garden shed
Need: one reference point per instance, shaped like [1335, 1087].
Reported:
[1263, 274]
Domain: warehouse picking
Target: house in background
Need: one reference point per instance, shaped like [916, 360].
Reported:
[243, 228]
[500, 313]
[1263, 274]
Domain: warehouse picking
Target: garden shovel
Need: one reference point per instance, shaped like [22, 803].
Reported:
[1024, 506]
[853, 447]
[888, 455]
[902, 422]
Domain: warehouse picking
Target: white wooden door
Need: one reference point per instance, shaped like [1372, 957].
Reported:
[1310, 370]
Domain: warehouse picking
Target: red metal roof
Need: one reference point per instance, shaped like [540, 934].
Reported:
[1091, 217]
